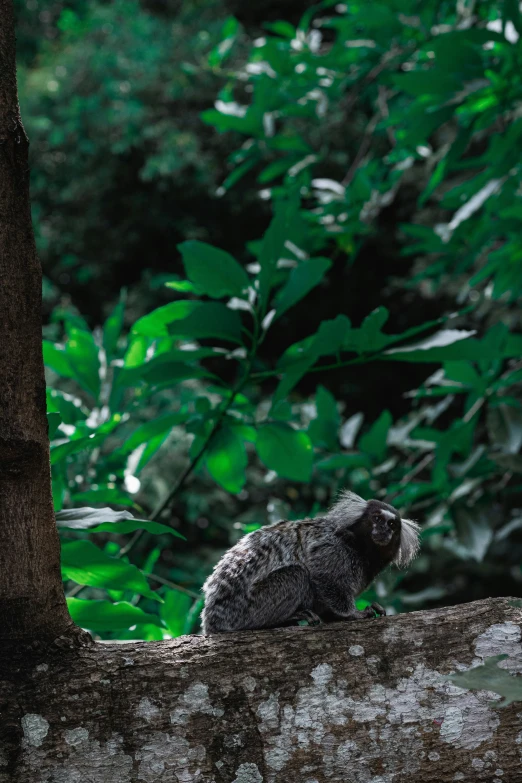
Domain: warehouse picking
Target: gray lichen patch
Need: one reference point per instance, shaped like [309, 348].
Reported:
[147, 710]
[76, 736]
[35, 729]
[499, 639]
[195, 699]
[248, 773]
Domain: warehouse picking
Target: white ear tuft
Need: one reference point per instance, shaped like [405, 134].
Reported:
[410, 545]
[348, 508]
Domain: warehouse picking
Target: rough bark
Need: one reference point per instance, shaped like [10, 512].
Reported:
[31, 596]
[354, 702]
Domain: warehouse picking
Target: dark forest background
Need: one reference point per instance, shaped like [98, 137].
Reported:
[282, 255]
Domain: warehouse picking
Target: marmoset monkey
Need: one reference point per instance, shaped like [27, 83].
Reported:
[308, 570]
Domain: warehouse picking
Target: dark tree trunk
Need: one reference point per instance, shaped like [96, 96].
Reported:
[361, 702]
[31, 596]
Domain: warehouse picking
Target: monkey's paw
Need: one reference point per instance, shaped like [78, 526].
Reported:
[378, 609]
[306, 614]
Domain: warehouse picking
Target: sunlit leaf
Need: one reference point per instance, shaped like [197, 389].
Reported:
[286, 451]
[226, 460]
[106, 616]
[86, 564]
[301, 281]
[213, 271]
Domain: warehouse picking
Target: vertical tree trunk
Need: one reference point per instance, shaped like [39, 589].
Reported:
[32, 603]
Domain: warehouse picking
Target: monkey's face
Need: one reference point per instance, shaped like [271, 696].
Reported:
[385, 524]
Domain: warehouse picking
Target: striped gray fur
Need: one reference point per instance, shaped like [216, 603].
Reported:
[312, 569]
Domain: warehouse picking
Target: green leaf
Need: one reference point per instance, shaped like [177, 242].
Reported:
[56, 358]
[433, 82]
[273, 244]
[226, 460]
[84, 563]
[82, 353]
[161, 370]
[221, 52]
[86, 517]
[287, 451]
[300, 357]
[106, 520]
[374, 441]
[490, 677]
[285, 29]
[113, 327]
[155, 324]
[174, 612]
[106, 616]
[160, 426]
[369, 337]
[131, 525]
[301, 281]
[63, 450]
[324, 429]
[212, 271]
[440, 346]
[212, 320]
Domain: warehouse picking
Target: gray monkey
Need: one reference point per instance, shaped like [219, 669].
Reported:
[308, 570]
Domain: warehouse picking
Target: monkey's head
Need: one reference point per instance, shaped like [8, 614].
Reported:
[396, 538]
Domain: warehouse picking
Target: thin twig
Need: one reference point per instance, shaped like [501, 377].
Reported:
[173, 586]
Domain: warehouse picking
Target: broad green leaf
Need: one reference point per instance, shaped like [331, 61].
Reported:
[104, 493]
[82, 353]
[161, 370]
[285, 29]
[70, 408]
[273, 244]
[151, 429]
[369, 337]
[301, 281]
[324, 429]
[63, 450]
[221, 52]
[433, 82]
[86, 517]
[113, 326]
[287, 451]
[174, 611]
[445, 345]
[463, 372]
[226, 460]
[489, 677]
[98, 520]
[57, 359]
[137, 350]
[210, 319]
[155, 324]
[300, 357]
[106, 616]
[84, 563]
[374, 441]
[213, 272]
[130, 526]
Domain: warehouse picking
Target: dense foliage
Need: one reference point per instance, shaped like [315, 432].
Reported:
[368, 338]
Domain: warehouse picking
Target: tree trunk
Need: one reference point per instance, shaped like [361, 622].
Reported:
[360, 702]
[31, 596]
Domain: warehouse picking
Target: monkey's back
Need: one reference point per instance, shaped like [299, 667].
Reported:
[252, 559]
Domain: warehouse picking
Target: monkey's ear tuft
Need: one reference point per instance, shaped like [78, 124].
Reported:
[409, 545]
[348, 508]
